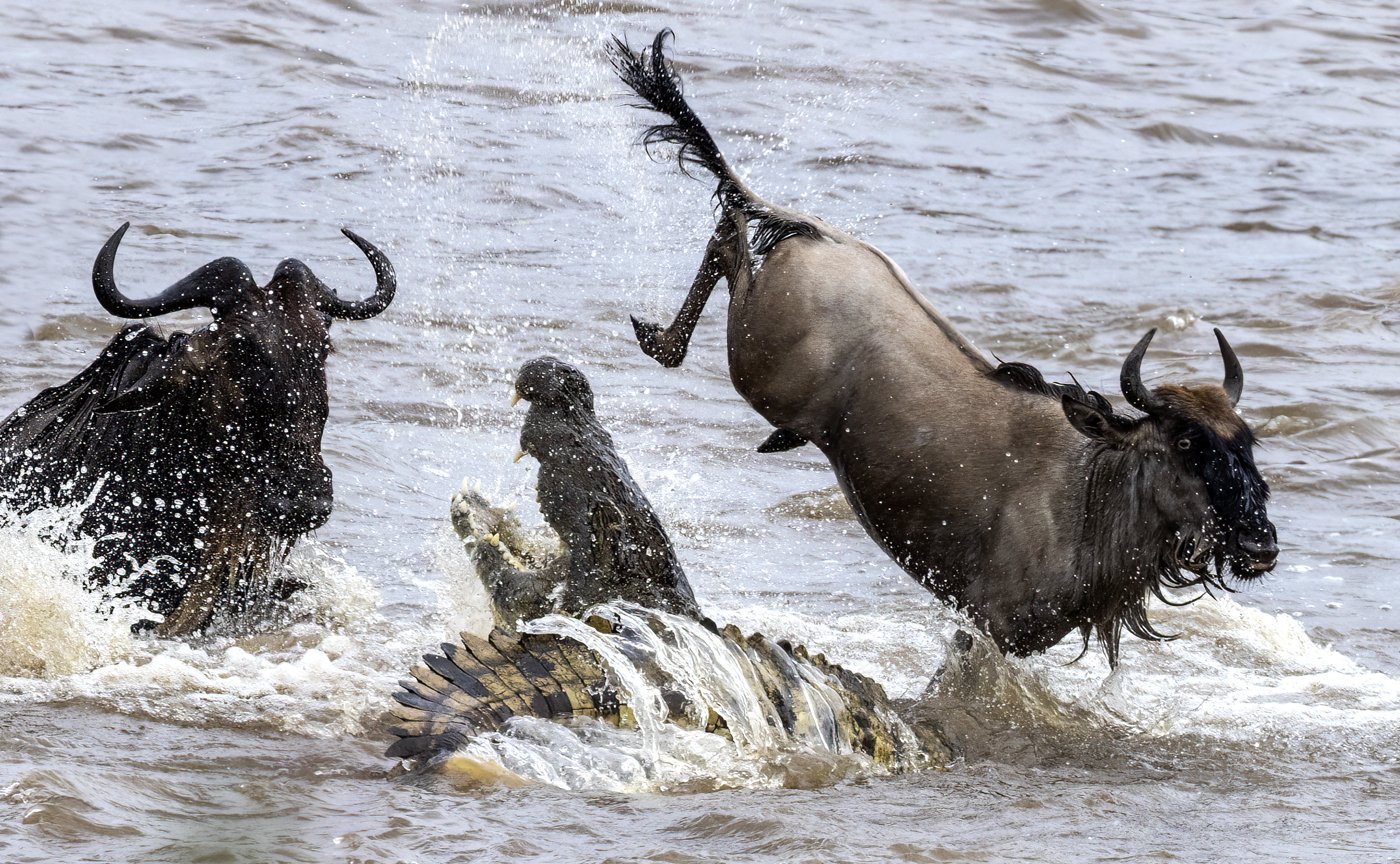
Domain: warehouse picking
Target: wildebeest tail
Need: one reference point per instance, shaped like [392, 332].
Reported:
[650, 75]
[477, 684]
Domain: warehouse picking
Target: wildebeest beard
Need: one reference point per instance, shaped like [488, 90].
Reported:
[1129, 547]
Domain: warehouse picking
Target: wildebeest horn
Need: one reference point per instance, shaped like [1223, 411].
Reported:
[212, 285]
[386, 285]
[1234, 373]
[1130, 379]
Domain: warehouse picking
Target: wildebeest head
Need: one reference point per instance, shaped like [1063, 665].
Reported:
[1194, 464]
[255, 377]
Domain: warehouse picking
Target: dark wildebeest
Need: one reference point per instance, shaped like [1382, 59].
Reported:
[614, 549]
[197, 458]
[1032, 506]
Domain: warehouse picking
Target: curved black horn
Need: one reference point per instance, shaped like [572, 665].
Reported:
[386, 285]
[1130, 379]
[1234, 373]
[212, 285]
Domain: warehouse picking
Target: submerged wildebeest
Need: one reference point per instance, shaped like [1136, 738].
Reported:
[1033, 506]
[613, 550]
[197, 458]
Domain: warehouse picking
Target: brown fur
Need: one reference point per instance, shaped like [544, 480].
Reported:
[1205, 404]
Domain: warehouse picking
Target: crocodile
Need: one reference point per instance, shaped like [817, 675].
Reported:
[611, 592]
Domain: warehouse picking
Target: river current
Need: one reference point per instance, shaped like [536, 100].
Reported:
[1056, 176]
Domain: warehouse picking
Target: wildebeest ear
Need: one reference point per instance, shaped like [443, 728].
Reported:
[1094, 423]
[148, 391]
[184, 357]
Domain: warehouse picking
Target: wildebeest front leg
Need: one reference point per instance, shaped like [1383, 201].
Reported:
[667, 345]
[205, 582]
[781, 440]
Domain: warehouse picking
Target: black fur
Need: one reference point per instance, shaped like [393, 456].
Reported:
[1023, 376]
[1237, 491]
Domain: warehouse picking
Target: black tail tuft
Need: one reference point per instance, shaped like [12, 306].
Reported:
[650, 75]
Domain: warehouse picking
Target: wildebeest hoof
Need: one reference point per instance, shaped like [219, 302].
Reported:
[655, 344]
[781, 440]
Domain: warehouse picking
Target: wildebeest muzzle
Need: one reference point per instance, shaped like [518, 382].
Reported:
[298, 503]
[1253, 551]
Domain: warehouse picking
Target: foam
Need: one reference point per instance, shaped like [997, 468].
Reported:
[328, 673]
[49, 624]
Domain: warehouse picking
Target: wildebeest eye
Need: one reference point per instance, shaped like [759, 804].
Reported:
[1183, 443]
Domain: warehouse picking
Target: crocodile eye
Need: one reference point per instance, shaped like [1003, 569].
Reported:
[1183, 443]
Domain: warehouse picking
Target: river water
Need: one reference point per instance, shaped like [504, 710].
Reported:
[1057, 176]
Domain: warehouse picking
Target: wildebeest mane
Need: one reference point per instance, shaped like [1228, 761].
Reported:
[58, 421]
[1023, 376]
[1118, 564]
[650, 75]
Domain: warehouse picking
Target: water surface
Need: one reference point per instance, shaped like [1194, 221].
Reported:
[1056, 176]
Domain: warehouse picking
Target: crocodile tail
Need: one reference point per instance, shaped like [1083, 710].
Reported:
[476, 685]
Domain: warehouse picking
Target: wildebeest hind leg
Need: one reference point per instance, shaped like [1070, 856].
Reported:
[667, 345]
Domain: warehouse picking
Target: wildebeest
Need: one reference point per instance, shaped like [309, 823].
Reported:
[616, 566]
[197, 458]
[1033, 506]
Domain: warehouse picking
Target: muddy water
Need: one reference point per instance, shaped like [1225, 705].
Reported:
[1056, 176]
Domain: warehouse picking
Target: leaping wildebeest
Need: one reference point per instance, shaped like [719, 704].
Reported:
[1034, 507]
[196, 458]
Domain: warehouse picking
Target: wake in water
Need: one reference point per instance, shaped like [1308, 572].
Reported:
[765, 713]
[1237, 681]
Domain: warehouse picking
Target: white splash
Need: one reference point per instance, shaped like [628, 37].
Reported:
[713, 673]
[50, 624]
[1237, 676]
[328, 673]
